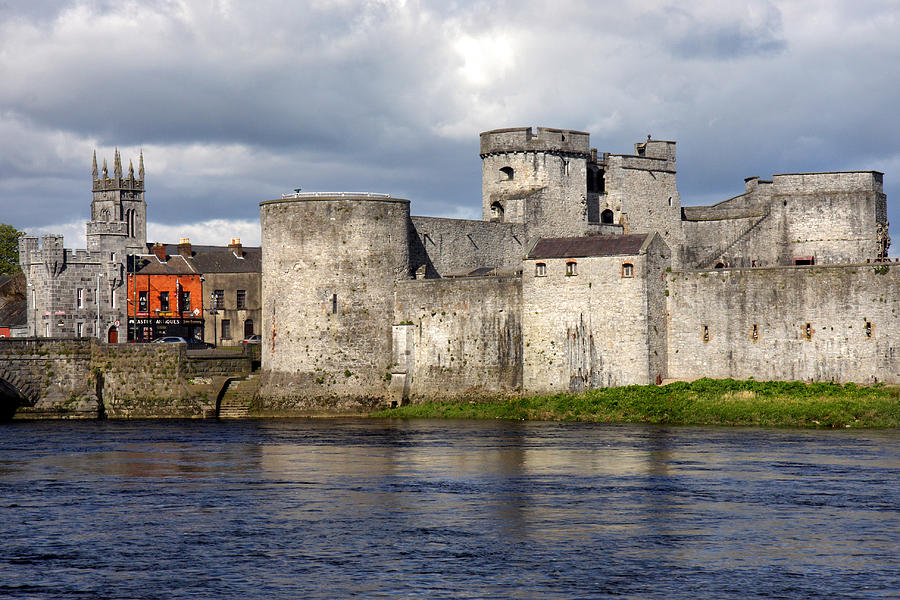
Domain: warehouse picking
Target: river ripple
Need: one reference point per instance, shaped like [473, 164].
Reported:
[445, 509]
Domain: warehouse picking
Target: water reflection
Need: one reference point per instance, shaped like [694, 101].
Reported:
[344, 508]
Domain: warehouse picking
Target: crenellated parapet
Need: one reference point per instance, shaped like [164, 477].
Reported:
[541, 139]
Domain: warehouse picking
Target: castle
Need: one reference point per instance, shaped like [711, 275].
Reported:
[585, 271]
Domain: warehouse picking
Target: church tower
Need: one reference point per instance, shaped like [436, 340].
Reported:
[118, 211]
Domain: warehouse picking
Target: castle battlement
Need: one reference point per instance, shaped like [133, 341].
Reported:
[543, 139]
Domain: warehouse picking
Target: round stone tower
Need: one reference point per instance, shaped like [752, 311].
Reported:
[329, 266]
[536, 176]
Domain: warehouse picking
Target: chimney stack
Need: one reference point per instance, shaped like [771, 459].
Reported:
[160, 251]
[184, 247]
[236, 247]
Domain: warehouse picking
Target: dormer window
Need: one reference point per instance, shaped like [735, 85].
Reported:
[540, 269]
[571, 268]
[627, 270]
[507, 173]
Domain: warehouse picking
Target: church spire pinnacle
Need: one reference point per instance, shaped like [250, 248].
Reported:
[117, 165]
[94, 166]
[105, 170]
[131, 170]
[141, 166]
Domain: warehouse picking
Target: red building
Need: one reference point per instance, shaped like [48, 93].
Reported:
[165, 297]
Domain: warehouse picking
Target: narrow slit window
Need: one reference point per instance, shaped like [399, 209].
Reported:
[808, 331]
[754, 332]
[334, 304]
[868, 330]
[705, 333]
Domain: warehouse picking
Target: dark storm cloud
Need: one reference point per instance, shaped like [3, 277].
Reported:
[234, 103]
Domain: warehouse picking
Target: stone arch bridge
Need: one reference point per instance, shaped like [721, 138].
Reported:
[84, 378]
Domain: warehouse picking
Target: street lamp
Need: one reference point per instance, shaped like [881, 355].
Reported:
[212, 310]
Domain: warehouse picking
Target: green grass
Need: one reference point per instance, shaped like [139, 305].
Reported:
[701, 402]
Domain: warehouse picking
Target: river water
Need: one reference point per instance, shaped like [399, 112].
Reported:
[445, 509]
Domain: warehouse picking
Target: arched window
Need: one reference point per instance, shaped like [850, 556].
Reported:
[507, 173]
[720, 265]
[606, 217]
[627, 270]
[497, 211]
[540, 269]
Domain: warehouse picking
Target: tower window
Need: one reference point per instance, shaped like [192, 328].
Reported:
[80, 298]
[507, 173]
[540, 269]
[808, 330]
[334, 304]
[705, 333]
[571, 268]
[606, 217]
[868, 330]
[754, 332]
[497, 212]
[627, 270]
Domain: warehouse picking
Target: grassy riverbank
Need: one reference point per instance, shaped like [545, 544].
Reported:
[702, 402]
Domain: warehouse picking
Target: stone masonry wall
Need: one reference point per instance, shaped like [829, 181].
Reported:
[818, 323]
[832, 217]
[464, 338]
[589, 330]
[456, 246]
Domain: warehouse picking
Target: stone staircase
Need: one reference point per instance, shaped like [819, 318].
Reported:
[238, 397]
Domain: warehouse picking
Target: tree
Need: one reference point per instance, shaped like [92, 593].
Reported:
[9, 249]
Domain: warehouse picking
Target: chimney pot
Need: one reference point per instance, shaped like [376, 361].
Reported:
[184, 247]
[160, 251]
[236, 247]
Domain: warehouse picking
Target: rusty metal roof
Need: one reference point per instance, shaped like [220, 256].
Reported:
[594, 245]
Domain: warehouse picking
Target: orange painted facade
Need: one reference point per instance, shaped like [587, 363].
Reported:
[160, 305]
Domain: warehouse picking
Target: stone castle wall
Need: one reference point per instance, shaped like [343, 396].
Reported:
[460, 337]
[455, 246]
[745, 323]
[833, 217]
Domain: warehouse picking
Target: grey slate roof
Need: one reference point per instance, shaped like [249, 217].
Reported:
[205, 259]
[594, 245]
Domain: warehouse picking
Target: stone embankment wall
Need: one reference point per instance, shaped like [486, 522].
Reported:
[458, 337]
[821, 323]
[52, 377]
[82, 378]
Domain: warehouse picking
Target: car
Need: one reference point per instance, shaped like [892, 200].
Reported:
[192, 343]
[253, 340]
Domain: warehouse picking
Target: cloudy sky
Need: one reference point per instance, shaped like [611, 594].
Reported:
[234, 102]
